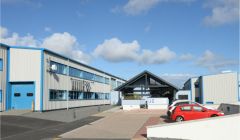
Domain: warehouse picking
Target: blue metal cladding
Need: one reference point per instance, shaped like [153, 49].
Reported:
[22, 95]
[8, 95]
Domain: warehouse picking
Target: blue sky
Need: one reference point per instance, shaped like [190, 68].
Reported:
[175, 39]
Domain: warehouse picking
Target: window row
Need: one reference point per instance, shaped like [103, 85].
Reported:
[75, 95]
[63, 69]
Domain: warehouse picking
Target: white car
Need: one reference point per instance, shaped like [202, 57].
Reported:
[177, 103]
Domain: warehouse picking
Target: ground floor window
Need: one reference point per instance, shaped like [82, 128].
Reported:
[58, 95]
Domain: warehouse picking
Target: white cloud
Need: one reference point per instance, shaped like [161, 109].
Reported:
[3, 32]
[214, 62]
[136, 7]
[114, 50]
[223, 12]
[186, 57]
[66, 44]
[15, 40]
[47, 29]
[63, 43]
[160, 56]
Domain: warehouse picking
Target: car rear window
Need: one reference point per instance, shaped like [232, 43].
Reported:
[186, 108]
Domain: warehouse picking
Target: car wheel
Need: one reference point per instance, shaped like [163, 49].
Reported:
[214, 115]
[179, 119]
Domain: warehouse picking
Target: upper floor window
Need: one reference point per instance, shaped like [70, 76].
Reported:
[99, 79]
[106, 80]
[60, 68]
[113, 83]
[75, 72]
[119, 83]
[1, 64]
[88, 75]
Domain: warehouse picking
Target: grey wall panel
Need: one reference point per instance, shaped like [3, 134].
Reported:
[221, 88]
[3, 76]
[63, 82]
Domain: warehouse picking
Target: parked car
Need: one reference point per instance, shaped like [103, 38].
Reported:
[177, 103]
[193, 111]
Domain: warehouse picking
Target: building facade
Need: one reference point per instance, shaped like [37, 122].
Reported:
[214, 89]
[3, 75]
[40, 79]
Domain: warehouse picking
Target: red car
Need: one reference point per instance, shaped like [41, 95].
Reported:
[192, 111]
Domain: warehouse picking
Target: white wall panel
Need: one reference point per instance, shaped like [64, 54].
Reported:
[25, 65]
[221, 88]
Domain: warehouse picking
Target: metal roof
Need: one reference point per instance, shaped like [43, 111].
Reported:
[63, 56]
[140, 75]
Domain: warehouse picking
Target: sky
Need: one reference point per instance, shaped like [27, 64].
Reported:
[174, 39]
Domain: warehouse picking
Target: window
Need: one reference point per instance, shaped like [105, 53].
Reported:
[61, 69]
[75, 95]
[181, 103]
[75, 72]
[107, 96]
[197, 108]
[17, 94]
[58, 95]
[1, 64]
[119, 83]
[186, 108]
[113, 83]
[88, 76]
[99, 79]
[87, 95]
[106, 80]
[29, 94]
[182, 97]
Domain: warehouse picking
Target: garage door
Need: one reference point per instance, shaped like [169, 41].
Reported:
[22, 95]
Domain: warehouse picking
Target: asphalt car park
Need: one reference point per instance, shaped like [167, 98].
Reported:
[23, 128]
[47, 125]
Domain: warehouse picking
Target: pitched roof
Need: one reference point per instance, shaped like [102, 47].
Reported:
[142, 74]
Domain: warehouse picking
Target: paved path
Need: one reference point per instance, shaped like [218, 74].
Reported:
[116, 125]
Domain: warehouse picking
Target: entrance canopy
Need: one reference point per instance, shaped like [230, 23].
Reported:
[148, 84]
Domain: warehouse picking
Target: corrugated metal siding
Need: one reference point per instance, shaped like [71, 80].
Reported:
[194, 91]
[3, 76]
[221, 88]
[25, 65]
[60, 82]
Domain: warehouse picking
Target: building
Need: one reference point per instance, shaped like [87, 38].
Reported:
[214, 89]
[147, 88]
[40, 79]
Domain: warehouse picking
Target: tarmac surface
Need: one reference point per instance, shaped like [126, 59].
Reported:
[26, 126]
